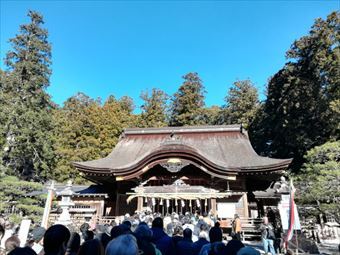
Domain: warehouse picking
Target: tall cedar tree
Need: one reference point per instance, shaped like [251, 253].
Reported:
[26, 124]
[241, 104]
[300, 110]
[188, 102]
[154, 109]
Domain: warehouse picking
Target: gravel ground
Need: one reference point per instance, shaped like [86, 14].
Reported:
[325, 248]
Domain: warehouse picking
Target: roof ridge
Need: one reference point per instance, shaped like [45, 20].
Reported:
[184, 129]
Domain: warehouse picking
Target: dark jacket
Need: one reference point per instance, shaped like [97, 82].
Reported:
[233, 246]
[196, 246]
[176, 239]
[162, 241]
[184, 247]
[267, 231]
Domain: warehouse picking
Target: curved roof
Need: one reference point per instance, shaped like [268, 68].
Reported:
[217, 150]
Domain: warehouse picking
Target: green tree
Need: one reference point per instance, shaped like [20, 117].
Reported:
[188, 102]
[319, 182]
[75, 135]
[300, 110]
[127, 104]
[154, 109]
[15, 202]
[87, 130]
[115, 117]
[26, 126]
[211, 115]
[241, 104]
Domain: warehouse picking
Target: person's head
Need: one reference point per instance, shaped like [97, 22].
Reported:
[37, 234]
[125, 228]
[215, 235]
[265, 220]
[55, 239]
[236, 216]
[247, 250]
[84, 227]
[127, 223]
[11, 243]
[74, 243]
[22, 251]
[157, 223]
[204, 226]
[88, 235]
[116, 231]
[203, 234]
[8, 225]
[187, 233]
[91, 247]
[178, 230]
[289, 252]
[170, 229]
[100, 229]
[122, 245]
[143, 232]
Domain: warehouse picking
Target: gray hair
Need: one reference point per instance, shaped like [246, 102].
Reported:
[203, 234]
[122, 245]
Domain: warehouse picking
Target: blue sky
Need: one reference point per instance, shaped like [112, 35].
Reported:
[121, 48]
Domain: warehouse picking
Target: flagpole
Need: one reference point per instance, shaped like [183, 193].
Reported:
[48, 205]
[291, 220]
[296, 236]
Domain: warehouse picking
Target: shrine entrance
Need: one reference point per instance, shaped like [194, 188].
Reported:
[178, 197]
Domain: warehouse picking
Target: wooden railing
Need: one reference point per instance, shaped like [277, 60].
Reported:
[250, 227]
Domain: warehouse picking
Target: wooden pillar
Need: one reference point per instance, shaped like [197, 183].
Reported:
[213, 206]
[117, 205]
[245, 206]
[139, 204]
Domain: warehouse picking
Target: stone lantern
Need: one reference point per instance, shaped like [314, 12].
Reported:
[65, 204]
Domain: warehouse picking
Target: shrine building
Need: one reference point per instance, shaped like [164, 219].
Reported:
[182, 169]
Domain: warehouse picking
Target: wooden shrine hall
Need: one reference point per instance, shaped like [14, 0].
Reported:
[180, 169]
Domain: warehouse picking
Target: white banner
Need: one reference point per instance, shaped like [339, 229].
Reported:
[284, 213]
[23, 231]
[226, 210]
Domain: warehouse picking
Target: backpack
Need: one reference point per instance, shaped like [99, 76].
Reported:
[270, 234]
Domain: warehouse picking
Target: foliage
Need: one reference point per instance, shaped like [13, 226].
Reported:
[188, 102]
[13, 198]
[86, 130]
[211, 115]
[300, 110]
[154, 109]
[319, 182]
[25, 112]
[241, 104]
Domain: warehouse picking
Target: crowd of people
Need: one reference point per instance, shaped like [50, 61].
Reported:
[147, 234]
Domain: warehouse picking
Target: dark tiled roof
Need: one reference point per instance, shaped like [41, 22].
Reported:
[219, 149]
[79, 190]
